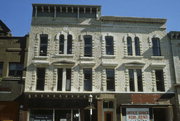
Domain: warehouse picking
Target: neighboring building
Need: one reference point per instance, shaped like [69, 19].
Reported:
[12, 61]
[123, 62]
[4, 30]
[175, 44]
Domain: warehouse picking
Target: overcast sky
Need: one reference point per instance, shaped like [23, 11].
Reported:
[16, 14]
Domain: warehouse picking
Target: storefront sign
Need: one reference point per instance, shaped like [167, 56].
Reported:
[137, 114]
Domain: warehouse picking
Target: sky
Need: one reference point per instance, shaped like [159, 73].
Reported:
[17, 14]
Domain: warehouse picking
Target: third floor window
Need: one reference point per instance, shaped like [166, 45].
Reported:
[137, 46]
[156, 47]
[129, 46]
[15, 69]
[65, 46]
[88, 46]
[109, 45]
[133, 49]
[43, 44]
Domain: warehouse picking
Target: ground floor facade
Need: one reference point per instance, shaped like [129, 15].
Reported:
[105, 107]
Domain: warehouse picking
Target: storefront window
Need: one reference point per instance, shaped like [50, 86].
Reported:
[41, 115]
[59, 115]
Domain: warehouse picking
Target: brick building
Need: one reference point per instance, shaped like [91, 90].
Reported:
[12, 61]
[74, 54]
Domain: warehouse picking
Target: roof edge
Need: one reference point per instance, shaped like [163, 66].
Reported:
[75, 5]
[133, 19]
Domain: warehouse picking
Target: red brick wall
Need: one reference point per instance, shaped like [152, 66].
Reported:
[145, 98]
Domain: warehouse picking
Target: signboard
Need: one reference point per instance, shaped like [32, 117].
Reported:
[137, 114]
[63, 119]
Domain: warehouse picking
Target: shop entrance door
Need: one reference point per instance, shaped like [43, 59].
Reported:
[108, 116]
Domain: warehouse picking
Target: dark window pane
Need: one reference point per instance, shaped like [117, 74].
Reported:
[1, 69]
[108, 104]
[110, 79]
[76, 115]
[60, 78]
[41, 115]
[139, 79]
[61, 44]
[43, 44]
[137, 46]
[40, 79]
[156, 47]
[69, 44]
[131, 80]
[15, 69]
[88, 45]
[88, 79]
[63, 114]
[129, 45]
[105, 104]
[68, 79]
[109, 45]
[159, 80]
[111, 104]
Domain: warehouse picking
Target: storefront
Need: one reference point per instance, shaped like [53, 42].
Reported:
[146, 113]
[51, 107]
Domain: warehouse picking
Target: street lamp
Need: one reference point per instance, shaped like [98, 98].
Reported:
[90, 99]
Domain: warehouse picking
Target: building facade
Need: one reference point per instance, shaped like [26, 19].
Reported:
[122, 62]
[12, 60]
[174, 42]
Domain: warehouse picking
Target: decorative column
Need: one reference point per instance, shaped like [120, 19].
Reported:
[100, 109]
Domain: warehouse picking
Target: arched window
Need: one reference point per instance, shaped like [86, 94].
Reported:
[156, 47]
[88, 45]
[129, 45]
[109, 45]
[61, 44]
[69, 44]
[137, 46]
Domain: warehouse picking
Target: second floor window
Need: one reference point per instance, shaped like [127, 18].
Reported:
[88, 46]
[129, 46]
[43, 44]
[110, 80]
[87, 79]
[159, 80]
[131, 80]
[40, 73]
[109, 45]
[135, 80]
[15, 69]
[64, 79]
[156, 47]
[1, 69]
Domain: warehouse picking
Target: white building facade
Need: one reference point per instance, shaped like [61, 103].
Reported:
[123, 62]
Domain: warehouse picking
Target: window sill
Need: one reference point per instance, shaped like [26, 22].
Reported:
[10, 78]
[40, 57]
[87, 58]
[108, 56]
[134, 57]
[64, 55]
[157, 57]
